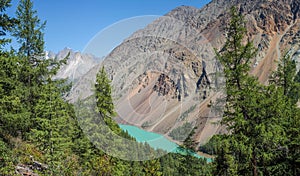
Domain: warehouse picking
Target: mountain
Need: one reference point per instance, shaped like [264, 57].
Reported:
[166, 75]
[77, 65]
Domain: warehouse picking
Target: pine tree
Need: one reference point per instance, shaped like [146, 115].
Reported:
[6, 23]
[286, 77]
[104, 101]
[35, 69]
[224, 163]
[287, 80]
[29, 35]
[293, 149]
[53, 127]
[29, 32]
[190, 165]
[12, 111]
[189, 143]
[152, 168]
[235, 57]
[254, 113]
[14, 116]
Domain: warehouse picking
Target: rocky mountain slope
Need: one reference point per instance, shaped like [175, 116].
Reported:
[77, 65]
[166, 74]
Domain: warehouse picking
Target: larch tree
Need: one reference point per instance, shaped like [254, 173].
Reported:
[35, 69]
[14, 116]
[50, 124]
[53, 127]
[6, 23]
[104, 101]
[253, 112]
[235, 57]
[29, 35]
[12, 110]
[29, 32]
[286, 79]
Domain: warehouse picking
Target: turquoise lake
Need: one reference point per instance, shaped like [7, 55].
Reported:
[155, 140]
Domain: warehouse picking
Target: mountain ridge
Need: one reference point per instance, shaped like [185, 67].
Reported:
[77, 65]
[156, 71]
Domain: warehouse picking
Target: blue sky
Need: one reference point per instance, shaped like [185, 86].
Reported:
[73, 23]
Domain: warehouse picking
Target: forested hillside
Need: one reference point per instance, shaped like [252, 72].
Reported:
[41, 135]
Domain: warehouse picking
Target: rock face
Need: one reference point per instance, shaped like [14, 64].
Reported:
[30, 169]
[77, 65]
[166, 74]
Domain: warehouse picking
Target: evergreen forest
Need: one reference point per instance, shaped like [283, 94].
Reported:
[40, 132]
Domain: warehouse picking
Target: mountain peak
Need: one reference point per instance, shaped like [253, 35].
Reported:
[77, 65]
[171, 62]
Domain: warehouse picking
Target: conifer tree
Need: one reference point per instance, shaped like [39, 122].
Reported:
[104, 101]
[152, 168]
[190, 165]
[29, 35]
[12, 111]
[253, 112]
[53, 128]
[29, 32]
[286, 77]
[224, 162]
[6, 23]
[35, 69]
[189, 143]
[14, 116]
[235, 58]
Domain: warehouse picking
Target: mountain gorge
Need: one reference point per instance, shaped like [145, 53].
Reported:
[166, 74]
